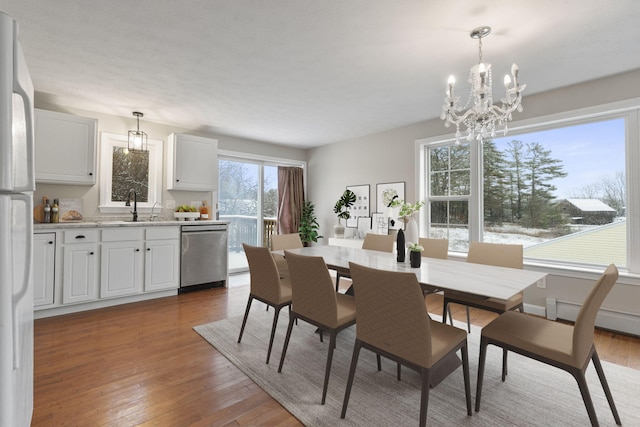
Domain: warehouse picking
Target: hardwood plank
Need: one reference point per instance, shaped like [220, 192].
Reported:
[142, 364]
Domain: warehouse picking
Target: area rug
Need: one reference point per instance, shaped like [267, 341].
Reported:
[533, 395]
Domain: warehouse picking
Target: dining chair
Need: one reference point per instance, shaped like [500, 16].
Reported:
[568, 347]
[266, 286]
[435, 248]
[315, 302]
[496, 254]
[393, 322]
[280, 242]
[373, 242]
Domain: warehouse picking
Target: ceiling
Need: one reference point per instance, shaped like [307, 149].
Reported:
[305, 72]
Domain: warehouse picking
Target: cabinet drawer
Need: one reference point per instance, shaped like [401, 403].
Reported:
[163, 233]
[122, 234]
[80, 236]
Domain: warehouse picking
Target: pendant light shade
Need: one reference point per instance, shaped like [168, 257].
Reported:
[137, 140]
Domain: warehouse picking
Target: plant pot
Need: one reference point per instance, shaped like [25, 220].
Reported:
[415, 258]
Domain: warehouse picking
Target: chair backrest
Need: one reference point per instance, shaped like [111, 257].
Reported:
[312, 291]
[285, 241]
[378, 242]
[391, 314]
[435, 248]
[498, 254]
[265, 279]
[585, 322]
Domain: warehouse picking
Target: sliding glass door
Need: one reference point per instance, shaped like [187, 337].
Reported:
[248, 199]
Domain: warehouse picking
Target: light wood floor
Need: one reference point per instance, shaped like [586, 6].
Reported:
[142, 364]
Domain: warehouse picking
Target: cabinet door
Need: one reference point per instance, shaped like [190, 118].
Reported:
[121, 269]
[192, 163]
[80, 273]
[65, 148]
[162, 265]
[44, 258]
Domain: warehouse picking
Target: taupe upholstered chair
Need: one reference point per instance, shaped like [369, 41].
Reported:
[373, 242]
[266, 286]
[393, 322]
[435, 248]
[564, 346]
[500, 255]
[315, 302]
[280, 242]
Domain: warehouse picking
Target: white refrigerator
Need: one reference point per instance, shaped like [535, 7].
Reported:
[17, 183]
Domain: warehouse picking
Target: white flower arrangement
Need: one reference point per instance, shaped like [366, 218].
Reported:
[415, 247]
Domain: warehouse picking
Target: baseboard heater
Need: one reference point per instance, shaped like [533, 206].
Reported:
[613, 320]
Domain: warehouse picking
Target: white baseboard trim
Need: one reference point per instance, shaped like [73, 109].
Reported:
[609, 319]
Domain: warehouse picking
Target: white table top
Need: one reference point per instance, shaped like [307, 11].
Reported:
[479, 279]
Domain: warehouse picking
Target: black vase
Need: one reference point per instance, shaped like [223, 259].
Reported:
[400, 246]
[415, 258]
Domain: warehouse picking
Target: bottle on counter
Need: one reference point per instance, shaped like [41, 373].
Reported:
[55, 211]
[47, 212]
[204, 210]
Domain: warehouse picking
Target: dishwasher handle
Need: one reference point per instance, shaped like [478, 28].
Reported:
[200, 228]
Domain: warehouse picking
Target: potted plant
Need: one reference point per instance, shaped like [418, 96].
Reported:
[405, 214]
[415, 254]
[342, 206]
[308, 224]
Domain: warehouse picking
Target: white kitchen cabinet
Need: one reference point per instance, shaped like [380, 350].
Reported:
[192, 163]
[162, 259]
[121, 266]
[44, 257]
[65, 148]
[80, 270]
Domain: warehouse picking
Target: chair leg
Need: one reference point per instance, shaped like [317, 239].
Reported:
[399, 369]
[504, 363]
[605, 386]
[445, 310]
[337, 281]
[424, 396]
[465, 373]
[286, 341]
[273, 331]
[244, 320]
[586, 396]
[379, 360]
[352, 372]
[327, 370]
[483, 356]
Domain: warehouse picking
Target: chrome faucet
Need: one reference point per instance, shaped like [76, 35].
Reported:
[135, 204]
[153, 216]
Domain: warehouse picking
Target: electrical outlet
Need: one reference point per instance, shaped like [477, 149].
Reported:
[542, 283]
[171, 204]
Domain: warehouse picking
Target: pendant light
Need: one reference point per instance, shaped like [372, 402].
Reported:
[137, 141]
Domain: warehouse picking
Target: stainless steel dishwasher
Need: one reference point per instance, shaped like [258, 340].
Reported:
[203, 261]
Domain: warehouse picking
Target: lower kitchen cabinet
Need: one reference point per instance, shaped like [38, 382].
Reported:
[80, 273]
[162, 259]
[121, 262]
[44, 259]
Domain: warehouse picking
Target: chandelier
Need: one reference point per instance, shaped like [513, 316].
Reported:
[479, 116]
[137, 140]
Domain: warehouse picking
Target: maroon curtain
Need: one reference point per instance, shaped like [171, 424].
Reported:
[290, 199]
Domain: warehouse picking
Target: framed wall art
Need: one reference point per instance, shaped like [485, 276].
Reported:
[384, 194]
[361, 206]
[379, 223]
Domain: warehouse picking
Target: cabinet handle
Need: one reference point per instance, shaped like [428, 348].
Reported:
[90, 253]
[177, 180]
[90, 173]
[51, 242]
[137, 250]
[80, 236]
[148, 249]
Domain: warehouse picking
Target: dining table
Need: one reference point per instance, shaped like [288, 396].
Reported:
[433, 274]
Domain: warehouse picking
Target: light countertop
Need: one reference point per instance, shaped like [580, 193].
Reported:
[123, 223]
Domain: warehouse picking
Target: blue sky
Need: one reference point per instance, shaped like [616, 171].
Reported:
[588, 152]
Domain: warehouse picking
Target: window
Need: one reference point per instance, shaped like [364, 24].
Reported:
[559, 188]
[122, 171]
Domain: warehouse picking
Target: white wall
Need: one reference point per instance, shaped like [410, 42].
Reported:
[390, 157]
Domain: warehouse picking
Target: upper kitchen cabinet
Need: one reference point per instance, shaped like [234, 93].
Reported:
[65, 148]
[192, 163]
